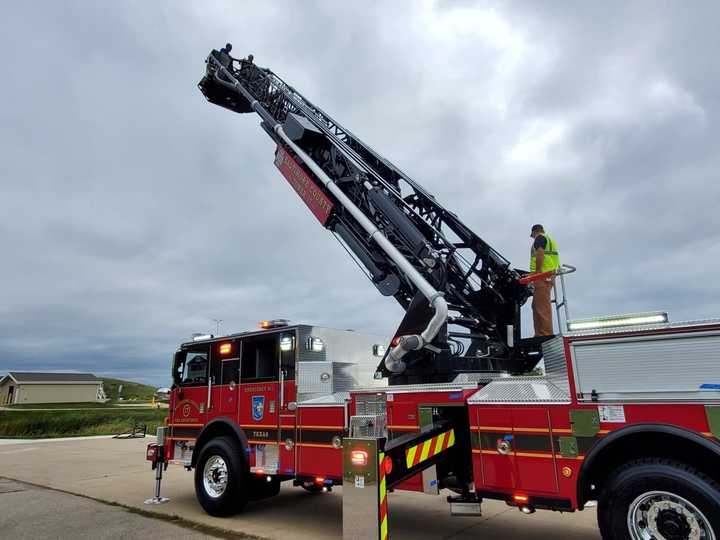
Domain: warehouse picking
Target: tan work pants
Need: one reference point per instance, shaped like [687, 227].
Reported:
[542, 308]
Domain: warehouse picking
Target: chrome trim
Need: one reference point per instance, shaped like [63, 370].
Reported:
[644, 511]
[215, 477]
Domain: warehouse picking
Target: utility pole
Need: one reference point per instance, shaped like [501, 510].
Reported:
[217, 326]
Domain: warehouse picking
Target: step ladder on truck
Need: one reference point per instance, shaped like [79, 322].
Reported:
[627, 412]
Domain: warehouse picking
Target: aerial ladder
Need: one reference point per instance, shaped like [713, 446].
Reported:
[462, 298]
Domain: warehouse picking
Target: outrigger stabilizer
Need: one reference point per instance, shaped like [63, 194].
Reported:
[155, 453]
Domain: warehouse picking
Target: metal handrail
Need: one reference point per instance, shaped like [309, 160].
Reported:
[561, 272]
[564, 269]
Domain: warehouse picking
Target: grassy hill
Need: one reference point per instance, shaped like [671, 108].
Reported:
[68, 423]
[131, 391]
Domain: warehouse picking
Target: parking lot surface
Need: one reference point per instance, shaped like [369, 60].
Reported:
[115, 471]
[31, 512]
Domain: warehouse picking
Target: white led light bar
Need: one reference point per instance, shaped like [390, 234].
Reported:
[635, 319]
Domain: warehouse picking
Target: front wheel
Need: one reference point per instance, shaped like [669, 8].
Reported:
[659, 499]
[221, 483]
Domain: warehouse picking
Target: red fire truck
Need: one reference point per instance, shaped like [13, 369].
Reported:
[627, 413]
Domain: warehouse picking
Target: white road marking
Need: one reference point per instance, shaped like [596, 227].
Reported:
[18, 450]
[59, 439]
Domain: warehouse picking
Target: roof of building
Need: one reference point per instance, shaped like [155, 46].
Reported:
[37, 377]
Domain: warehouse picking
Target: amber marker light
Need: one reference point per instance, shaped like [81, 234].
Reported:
[567, 472]
[225, 348]
[359, 458]
[520, 498]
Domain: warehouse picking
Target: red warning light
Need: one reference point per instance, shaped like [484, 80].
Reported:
[388, 464]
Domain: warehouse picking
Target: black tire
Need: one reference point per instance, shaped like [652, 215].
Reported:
[631, 487]
[234, 495]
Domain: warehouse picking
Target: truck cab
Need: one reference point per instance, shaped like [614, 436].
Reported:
[263, 390]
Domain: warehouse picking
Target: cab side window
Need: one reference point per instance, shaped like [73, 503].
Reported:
[259, 361]
[194, 370]
[231, 371]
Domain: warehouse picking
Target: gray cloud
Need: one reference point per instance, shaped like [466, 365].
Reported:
[133, 212]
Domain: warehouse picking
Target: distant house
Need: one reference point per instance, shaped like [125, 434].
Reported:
[163, 394]
[32, 387]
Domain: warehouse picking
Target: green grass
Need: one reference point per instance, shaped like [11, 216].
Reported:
[130, 390]
[39, 424]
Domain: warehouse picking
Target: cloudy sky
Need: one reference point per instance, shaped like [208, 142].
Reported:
[133, 212]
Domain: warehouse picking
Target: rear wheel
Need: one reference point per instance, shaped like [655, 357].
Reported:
[659, 499]
[221, 483]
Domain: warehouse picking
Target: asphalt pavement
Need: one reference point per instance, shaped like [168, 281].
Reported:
[32, 512]
[115, 471]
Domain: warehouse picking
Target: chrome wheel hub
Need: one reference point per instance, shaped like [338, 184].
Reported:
[659, 515]
[215, 476]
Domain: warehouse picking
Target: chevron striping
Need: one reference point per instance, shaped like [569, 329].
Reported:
[427, 449]
[382, 487]
[410, 458]
[439, 444]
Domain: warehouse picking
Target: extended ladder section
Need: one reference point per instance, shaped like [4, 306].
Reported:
[462, 298]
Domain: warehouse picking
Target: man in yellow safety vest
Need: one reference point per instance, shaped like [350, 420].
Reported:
[544, 257]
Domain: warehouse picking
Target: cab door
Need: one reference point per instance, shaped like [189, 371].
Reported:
[189, 412]
[259, 398]
[229, 379]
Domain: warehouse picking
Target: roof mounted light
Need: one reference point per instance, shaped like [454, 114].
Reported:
[315, 344]
[274, 323]
[286, 343]
[619, 321]
[201, 337]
